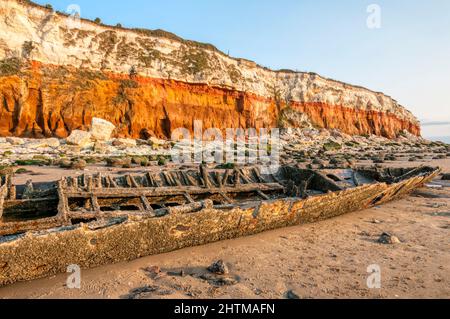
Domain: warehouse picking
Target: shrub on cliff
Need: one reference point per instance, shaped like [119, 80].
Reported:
[194, 61]
[10, 66]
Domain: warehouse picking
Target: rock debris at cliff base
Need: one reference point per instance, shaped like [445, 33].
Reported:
[309, 147]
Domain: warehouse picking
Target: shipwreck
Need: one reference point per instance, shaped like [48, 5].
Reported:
[93, 220]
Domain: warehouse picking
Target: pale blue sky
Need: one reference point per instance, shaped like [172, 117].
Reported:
[408, 58]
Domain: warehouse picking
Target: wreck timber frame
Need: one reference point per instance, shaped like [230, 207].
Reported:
[203, 211]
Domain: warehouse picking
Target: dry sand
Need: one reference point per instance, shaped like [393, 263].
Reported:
[326, 259]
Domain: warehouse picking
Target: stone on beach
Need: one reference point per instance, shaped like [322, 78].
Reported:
[15, 140]
[218, 268]
[387, 238]
[101, 130]
[124, 142]
[44, 143]
[79, 138]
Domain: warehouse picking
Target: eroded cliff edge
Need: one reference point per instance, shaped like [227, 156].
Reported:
[55, 75]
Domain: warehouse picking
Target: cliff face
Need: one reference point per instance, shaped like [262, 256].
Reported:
[55, 75]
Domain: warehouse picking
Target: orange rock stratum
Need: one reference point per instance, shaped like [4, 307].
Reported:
[55, 76]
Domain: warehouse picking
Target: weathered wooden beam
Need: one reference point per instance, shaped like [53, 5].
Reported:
[245, 177]
[191, 179]
[10, 189]
[170, 191]
[147, 205]
[225, 178]
[177, 178]
[75, 182]
[63, 205]
[128, 181]
[237, 178]
[217, 178]
[185, 209]
[20, 227]
[261, 194]
[205, 176]
[408, 175]
[189, 198]
[355, 179]
[3, 193]
[225, 196]
[133, 182]
[167, 179]
[157, 183]
[258, 175]
[97, 181]
[95, 205]
[112, 181]
[89, 183]
[96, 215]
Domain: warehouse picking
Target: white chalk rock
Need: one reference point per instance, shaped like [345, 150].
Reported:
[43, 143]
[15, 140]
[79, 138]
[101, 130]
[124, 142]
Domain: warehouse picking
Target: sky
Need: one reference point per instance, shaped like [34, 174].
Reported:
[408, 57]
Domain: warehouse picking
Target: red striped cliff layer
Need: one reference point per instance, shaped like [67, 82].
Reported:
[53, 101]
[55, 76]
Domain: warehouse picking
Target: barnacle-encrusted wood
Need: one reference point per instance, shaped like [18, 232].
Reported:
[92, 220]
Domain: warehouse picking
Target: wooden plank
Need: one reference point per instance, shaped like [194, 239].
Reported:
[147, 205]
[237, 177]
[244, 176]
[176, 178]
[112, 181]
[228, 199]
[170, 191]
[225, 178]
[133, 182]
[95, 205]
[205, 175]
[189, 198]
[261, 194]
[167, 179]
[75, 182]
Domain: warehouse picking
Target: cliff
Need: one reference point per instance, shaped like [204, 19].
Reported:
[55, 75]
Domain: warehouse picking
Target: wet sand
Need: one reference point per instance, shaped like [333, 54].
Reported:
[327, 259]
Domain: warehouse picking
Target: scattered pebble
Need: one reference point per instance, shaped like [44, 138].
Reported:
[218, 268]
[388, 239]
[291, 294]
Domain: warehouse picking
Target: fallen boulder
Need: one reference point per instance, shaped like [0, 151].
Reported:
[101, 130]
[79, 138]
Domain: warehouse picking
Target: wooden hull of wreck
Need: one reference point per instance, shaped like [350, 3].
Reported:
[37, 255]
